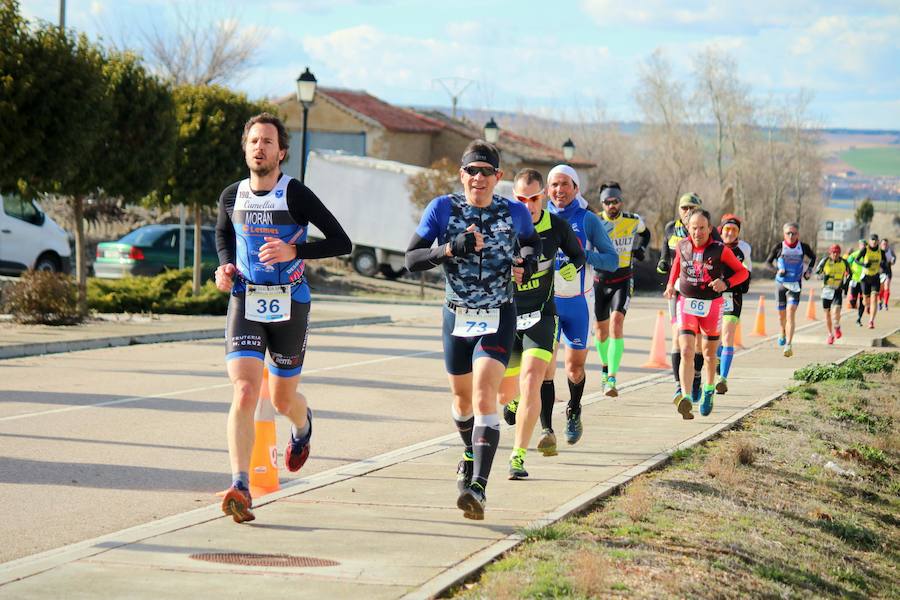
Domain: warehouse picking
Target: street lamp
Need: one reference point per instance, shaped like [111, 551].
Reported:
[568, 149]
[491, 132]
[306, 93]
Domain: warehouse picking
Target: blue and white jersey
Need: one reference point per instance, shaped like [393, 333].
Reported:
[256, 217]
[478, 280]
[790, 260]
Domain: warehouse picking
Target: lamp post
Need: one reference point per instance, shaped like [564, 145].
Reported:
[306, 93]
[491, 131]
[568, 149]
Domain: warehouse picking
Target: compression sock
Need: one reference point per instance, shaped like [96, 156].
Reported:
[698, 369]
[719, 360]
[575, 391]
[860, 309]
[486, 435]
[676, 369]
[727, 357]
[602, 350]
[616, 349]
[464, 424]
[548, 397]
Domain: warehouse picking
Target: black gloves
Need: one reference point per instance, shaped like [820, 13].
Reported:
[662, 266]
[529, 267]
[640, 253]
[463, 244]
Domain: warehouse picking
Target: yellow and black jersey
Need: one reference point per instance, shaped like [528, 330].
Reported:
[833, 271]
[628, 233]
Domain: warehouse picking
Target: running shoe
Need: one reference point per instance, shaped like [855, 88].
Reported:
[859, 321]
[683, 404]
[604, 381]
[707, 405]
[829, 339]
[788, 351]
[721, 385]
[782, 340]
[464, 472]
[237, 503]
[880, 306]
[509, 411]
[471, 501]
[574, 428]
[871, 324]
[837, 333]
[547, 443]
[610, 387]
[517, 466]
[297, 450]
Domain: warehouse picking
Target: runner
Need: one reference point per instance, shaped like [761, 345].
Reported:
[887, 268]
[855, 284]
[573, 298]
[612, 291]
[476, 234]
[675, 231]
[536, 329]
[733, 299]
[871, 259]
[261, 241]
[835, 272]
[787, 257]
[699, 271]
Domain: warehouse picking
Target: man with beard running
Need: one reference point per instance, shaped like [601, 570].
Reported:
[612, 291]
[261, 242]
[536, 327]
[480, 238]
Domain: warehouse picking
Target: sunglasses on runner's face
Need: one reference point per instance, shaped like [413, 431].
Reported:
[532, 197]
[611, 202]
[790, 233]
[486, 171]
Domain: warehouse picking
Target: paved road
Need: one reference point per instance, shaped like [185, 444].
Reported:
[97, 441]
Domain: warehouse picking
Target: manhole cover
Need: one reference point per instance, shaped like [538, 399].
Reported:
[264, 560]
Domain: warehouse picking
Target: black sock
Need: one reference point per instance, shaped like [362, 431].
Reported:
[861, 309]
[676, 368]
[698, 369]
[487, 438]
[464, 427]
[575, 392]
[548, 397]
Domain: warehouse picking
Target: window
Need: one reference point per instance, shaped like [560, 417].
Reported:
[25, 210]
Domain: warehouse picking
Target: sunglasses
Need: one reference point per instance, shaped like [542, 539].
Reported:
[486, 171]
[791, 233]
[532, 197]
[611, 202]
[688, 207]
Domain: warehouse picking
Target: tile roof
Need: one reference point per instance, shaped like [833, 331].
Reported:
[391, 117]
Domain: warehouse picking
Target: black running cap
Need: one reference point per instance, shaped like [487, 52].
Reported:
[492, 158]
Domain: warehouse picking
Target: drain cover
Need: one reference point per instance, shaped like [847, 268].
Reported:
[264, 560]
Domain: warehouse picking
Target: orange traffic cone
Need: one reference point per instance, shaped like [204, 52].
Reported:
[657, 358]
[760, 327]
[811, 307]
[264, 460]
[738, 338]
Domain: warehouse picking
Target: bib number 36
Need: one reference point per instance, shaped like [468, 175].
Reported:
[267, 304]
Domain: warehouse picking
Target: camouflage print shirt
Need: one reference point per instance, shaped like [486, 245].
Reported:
[478, 280]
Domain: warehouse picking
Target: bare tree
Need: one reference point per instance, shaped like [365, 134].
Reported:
[198, 48]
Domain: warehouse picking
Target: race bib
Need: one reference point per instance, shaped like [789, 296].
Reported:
[527, 320]
[828, 293]
[476, 321]
[696, 307]
[728, 301]
[792, 286]
[267, 303]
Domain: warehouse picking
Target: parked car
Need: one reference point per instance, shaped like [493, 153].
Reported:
[29, 239]
[152, 249]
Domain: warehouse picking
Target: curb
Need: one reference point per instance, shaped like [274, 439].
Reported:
[35, 349]
[475, 563]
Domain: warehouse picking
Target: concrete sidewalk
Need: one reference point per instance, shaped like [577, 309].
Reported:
[387, 527]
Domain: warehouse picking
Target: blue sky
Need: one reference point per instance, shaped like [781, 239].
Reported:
[562, 58]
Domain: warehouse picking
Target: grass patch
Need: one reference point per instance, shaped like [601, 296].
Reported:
[854, 368]
[877, 161]
[752, 514]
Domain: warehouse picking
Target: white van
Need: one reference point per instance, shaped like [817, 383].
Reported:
[29, 239]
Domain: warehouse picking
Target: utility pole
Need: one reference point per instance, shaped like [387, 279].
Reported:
[62, 15]
[455, 89]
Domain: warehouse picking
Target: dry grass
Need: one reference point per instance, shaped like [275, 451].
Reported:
[590, 572]
[638, 500]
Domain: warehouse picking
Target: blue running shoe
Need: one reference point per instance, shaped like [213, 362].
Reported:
[574, 428]
[782, 340]
[707, 405]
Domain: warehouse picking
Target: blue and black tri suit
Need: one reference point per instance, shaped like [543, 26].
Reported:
[574, 299]
[789, 259]
[475, 281]
[246, 218]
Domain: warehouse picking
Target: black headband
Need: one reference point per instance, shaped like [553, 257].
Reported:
[478, 156]
[734, 222]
